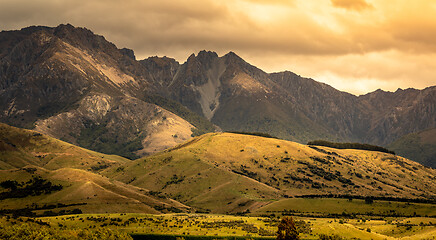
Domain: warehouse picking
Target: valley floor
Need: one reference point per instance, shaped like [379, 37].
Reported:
[208, 226]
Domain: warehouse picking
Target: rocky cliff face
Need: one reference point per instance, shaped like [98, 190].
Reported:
[394, 114]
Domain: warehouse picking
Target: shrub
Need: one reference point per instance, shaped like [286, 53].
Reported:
[287, 230]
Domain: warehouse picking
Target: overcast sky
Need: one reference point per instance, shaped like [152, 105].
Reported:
[354, 45]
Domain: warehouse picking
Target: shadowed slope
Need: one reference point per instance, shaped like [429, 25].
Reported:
[420, 147]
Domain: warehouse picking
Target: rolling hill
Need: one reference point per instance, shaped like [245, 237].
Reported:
[420, 147]
[84, 190]
[21, 147]
[26, 154]
[226, 172]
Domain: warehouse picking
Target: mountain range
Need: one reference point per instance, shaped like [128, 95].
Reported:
[74, 85]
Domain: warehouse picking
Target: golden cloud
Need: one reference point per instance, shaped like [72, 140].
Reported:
[310, 37]
[356, 5]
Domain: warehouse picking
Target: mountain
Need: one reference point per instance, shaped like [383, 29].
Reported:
[225, 172]
[237, 96]
[395, 114]
[26, 154]
[74, 85]
[420, 147]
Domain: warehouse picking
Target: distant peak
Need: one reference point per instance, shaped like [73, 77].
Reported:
[204, 53]
[161, 61]
[206, 56]
[70, 29]
[379, 90]
[64, 28]
[233, 58]
[203, 57]
[34, 28]
[231, 54]
[191, 58]
[128, 52]
[68, 25]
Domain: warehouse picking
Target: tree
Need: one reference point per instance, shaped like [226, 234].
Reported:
[287, 230]
[9, 184]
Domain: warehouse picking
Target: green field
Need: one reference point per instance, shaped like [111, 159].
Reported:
[325, 207]
[360, 221]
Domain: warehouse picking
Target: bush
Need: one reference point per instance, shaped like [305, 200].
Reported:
[287, 229]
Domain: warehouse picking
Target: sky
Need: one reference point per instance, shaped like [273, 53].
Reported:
[356, 46]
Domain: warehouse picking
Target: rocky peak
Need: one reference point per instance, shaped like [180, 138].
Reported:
[203, 60]
[194, 69]
[233, 58]
[83, 38]
[206, 57]
[232, 54]
[162, 69]
[32, 29]
[160, 62]
[128, 52]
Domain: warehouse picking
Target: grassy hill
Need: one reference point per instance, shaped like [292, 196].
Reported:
[89, 192]
[21, 147]
[420, 147]
[227, 172]
[26, 154]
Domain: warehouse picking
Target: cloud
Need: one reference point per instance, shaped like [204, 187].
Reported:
[273, 2]
[310, 37]
[355, 5]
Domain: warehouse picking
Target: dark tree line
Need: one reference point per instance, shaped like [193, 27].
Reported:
[34, 187]
[259, 134]
[360, 146]
[382, 198]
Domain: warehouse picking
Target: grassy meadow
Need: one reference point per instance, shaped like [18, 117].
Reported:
[347, 219]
